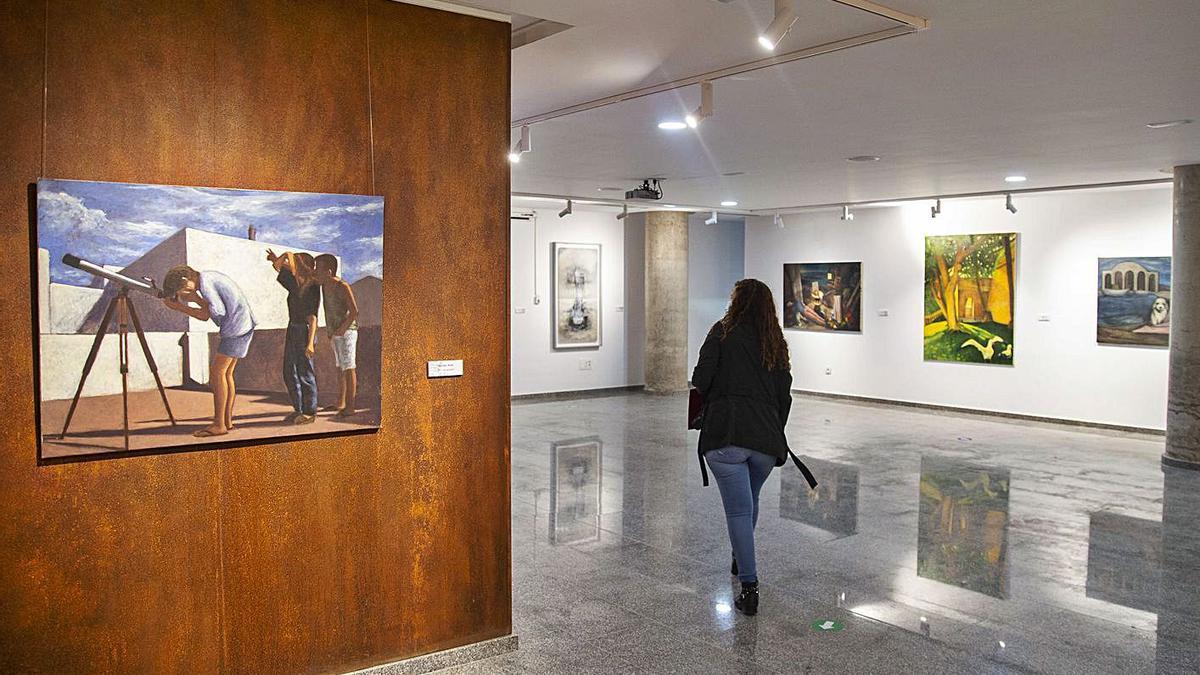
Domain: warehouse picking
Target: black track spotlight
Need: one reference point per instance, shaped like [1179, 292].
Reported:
[846, 214]
[567, 211]
[1008, 204]
[936, 209]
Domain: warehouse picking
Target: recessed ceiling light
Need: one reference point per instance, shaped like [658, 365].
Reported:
[610, 189]
[670, 206]
[1015, 178]
[672, 126]
[729, 202]
[862, 158]
[1168, 124]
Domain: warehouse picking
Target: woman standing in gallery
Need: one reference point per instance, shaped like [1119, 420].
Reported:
[745, 375]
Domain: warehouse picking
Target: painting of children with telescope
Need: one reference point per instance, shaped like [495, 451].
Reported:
[173, 317]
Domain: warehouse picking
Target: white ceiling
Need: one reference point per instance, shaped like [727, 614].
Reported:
[1059, 90]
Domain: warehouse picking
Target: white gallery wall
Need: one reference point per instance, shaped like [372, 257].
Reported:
[715, 262]
[1059, 369]
[536, 367]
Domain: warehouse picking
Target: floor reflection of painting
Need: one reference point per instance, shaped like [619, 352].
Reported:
[832, 506]
[962, 535]
[1124, 560]
[823, 296]
[576, 295]
[1133, 301]
[575, 491]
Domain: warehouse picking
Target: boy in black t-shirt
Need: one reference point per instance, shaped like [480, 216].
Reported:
[297, 273]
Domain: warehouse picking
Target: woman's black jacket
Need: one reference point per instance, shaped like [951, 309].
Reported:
[744, 403]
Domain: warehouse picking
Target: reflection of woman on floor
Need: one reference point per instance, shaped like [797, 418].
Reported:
[212, 296]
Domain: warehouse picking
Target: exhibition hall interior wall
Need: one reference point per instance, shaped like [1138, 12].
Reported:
[714, 264]
[1059, 369]
[321, 555]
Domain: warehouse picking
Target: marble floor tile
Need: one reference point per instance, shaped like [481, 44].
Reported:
[937, 542]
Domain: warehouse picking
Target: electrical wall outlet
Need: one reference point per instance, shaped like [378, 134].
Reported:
[829, 371]
[883, 312]
[518, 310]
[585, 364]
[1043, 317]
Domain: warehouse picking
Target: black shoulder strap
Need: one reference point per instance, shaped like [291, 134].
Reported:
[812, 481]
[703, 469]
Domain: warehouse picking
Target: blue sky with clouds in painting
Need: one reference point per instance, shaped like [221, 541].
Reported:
[116, 223]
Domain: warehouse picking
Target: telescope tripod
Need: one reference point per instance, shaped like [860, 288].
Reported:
[122, 308]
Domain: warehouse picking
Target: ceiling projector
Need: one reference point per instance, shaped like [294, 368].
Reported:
[649, 189]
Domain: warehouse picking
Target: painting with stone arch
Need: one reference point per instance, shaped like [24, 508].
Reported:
[173, 317]
[970, 298]
[1133, 301]
[576, 295]
[823, 296]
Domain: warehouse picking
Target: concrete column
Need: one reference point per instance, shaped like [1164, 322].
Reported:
[1183, 392]
[666, 301]
[1179, 605]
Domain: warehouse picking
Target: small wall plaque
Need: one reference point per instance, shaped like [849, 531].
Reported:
[451, 368]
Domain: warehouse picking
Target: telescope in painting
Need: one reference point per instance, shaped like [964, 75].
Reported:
[145, 284]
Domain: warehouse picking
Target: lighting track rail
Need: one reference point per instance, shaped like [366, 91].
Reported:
[909, 24]
[963, 195]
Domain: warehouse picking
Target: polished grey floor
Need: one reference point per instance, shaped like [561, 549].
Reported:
[939, 543]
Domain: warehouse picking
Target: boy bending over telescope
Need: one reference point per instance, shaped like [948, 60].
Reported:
[212, 296]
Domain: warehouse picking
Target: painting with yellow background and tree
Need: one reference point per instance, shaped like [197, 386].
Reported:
[969, 298]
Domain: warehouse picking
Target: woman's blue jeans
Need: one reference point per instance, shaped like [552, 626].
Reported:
[740, 475]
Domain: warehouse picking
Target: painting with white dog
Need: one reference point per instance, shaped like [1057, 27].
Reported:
[1133, 301]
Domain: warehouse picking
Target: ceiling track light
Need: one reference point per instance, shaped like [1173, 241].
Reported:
[711, 220]
[567, 211]
[936, 209]
[785, 17]
[1008, 204]
[624, 212]
[846, 214]
[523, 145]
[779, 221]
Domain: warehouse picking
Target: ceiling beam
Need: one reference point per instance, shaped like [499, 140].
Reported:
[917, 22]
[758, 64]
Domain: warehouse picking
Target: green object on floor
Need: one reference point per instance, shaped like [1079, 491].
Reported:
[825, 625]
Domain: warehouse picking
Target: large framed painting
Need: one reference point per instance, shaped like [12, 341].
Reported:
[575, 490]
[962, 531]
[969, 298]
[1133, 301]
[175, 317]
[576, 295]
[823, 296]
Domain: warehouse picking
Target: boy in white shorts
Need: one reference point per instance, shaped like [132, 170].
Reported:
[341, 321]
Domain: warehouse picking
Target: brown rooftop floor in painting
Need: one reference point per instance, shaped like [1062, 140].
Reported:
[96, 426]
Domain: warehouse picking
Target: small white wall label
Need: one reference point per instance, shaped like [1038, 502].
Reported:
[450, 368]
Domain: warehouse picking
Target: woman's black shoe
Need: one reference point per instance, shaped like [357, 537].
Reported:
[733, 567]
[747, 600]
